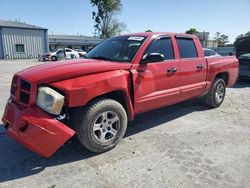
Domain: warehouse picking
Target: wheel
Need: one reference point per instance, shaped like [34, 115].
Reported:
[53, 58]
[216, 95]
[102, 126]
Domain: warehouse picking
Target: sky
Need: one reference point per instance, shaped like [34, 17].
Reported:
[230, 17]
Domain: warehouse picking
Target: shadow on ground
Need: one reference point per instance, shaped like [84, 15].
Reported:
[17, 161]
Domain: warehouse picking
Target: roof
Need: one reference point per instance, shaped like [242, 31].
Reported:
[72, 37]
[156, 34]
[73, 40]
[16, 24]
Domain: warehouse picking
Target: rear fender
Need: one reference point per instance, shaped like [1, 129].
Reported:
[219, 65]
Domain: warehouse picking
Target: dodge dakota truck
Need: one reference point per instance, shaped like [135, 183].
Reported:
[121, 77]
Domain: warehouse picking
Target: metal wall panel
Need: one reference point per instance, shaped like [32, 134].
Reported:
[33, 40]
[1, 46]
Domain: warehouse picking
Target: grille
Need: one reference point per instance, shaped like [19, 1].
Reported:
[25, 85]
[20, 90]
[14, 86]
[24, 97]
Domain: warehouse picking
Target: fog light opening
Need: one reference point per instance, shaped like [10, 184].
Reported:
[6, 125]
[22, 129]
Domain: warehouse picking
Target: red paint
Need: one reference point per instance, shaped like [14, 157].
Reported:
[35, 129]
[144, 87]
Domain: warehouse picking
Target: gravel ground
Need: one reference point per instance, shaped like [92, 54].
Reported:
[184, 145]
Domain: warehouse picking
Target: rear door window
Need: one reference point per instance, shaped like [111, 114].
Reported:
[187, 48]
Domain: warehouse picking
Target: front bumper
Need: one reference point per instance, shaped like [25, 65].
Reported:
[35, 129]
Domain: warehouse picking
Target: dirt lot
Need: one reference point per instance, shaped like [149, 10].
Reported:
[185, 145]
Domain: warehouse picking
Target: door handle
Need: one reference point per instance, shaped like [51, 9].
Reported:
[171, 70]
[199, 67]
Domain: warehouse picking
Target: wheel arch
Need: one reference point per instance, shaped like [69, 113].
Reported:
[121, 97]
[224, 76]
[117, 95]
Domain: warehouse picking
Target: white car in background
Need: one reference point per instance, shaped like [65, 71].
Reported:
[63, 53]
[81, 52]
[210, 53]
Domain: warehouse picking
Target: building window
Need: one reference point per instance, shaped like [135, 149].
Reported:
[20, 48]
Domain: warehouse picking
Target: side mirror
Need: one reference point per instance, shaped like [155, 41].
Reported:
[153, 57]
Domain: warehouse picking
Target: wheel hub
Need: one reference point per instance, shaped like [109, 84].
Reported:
[220, 92]
[106, 126]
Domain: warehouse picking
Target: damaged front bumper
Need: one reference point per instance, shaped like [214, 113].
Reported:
[35, 129]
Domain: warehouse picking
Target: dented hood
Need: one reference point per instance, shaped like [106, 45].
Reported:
[62, 70]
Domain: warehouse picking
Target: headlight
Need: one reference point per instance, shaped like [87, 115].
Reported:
[50, 100]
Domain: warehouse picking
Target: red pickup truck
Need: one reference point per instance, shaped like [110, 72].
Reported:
[95, 97]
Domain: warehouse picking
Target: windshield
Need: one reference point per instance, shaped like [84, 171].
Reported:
[54, 50]
[120, 49]
[206, 52]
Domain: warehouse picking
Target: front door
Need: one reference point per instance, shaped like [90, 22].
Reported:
[156, 84]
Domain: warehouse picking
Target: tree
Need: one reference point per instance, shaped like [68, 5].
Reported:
[244, 35]
[217, 35]
[105, 17]
[221, 38]
[148, 30]
[192, 31]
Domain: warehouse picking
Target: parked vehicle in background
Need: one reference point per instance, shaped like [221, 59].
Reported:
[210, 53]
[121, 77]
[242, 46]
[47, 56]
[81, 52]
[60, 54]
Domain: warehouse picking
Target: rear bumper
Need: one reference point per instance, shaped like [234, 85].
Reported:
[35, 129]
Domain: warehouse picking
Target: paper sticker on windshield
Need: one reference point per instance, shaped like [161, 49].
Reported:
[136, 38]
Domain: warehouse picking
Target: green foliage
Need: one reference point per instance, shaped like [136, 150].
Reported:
[244, 35]
[192, 31]
[105, 17]
[221, 38]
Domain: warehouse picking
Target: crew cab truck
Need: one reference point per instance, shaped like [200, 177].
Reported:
[121, 77]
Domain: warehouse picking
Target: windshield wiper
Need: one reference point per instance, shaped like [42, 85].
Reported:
[101, 58]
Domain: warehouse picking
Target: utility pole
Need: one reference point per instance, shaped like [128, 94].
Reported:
[96, 33]
[204, 38]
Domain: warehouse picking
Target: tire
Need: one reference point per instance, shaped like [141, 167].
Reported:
[53, 58]
[216, 95]
[102, 126]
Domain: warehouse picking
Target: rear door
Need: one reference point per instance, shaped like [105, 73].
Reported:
[155, 85]
[193, 67]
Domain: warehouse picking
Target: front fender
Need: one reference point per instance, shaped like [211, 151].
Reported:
[79, 91]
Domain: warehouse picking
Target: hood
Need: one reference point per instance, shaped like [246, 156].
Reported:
[48, 53]
[242, 46]
[61, 70]
[52, 53]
